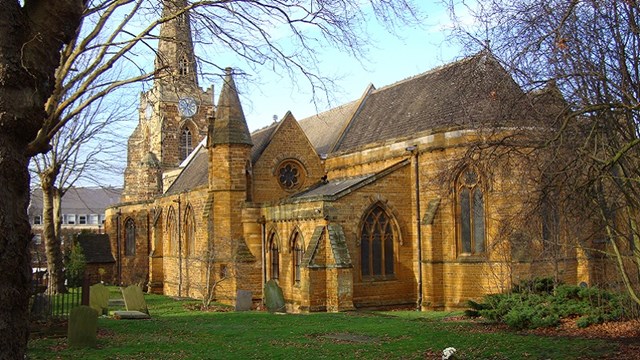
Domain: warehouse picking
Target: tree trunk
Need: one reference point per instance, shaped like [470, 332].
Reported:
[15, 235]
[31, 36]
[51, 238]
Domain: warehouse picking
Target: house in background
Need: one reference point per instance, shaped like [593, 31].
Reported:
[82, 211]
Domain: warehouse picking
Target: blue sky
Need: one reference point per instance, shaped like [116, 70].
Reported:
[389, 59]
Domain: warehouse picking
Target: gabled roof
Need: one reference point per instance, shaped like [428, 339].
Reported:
[80, 200]
[96, 248]
[469, 93]
[324, 129]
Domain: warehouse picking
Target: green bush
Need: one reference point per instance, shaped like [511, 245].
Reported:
[534, 304]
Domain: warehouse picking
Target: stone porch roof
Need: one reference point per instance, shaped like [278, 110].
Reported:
[337, 188]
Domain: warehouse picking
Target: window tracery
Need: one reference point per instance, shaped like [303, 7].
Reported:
[377, 244]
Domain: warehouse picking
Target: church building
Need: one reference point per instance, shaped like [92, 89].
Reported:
[398, 198]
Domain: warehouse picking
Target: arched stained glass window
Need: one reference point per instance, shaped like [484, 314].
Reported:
[471, 223]
[186, 143]
[130, 237]
[377, 244]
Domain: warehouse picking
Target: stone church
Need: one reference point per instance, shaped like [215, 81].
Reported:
[392, 199]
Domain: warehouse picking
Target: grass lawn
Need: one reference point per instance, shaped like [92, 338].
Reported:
[177, 333]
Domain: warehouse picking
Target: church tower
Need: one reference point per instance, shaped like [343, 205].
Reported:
[172, 114]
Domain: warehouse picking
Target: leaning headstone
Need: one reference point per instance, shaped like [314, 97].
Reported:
[99, 298]
[273, 297]
[244, 300]
[82, 327]
[134, 299]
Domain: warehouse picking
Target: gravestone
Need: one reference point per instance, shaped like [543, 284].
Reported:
[99, 298]
[134, 299]
[124, 315]
[82, 327]
[273, 297]
[244, 300]
[41, 306]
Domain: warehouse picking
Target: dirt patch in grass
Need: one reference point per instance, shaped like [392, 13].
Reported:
[624, 333]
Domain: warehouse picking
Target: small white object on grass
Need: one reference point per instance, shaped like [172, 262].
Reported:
[448, 353]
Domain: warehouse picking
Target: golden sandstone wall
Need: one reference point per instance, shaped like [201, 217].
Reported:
[449, 278]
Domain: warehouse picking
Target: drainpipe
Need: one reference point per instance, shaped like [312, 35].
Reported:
[263, 225]
[179, 249]
[118, 257]
[414, 151]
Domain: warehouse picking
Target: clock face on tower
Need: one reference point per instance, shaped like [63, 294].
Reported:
[187, 106]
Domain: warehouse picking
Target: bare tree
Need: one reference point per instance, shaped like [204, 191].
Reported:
[79, 150]
[588, 51]
[38, 37]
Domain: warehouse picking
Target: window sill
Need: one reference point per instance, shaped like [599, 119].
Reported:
[472, 258]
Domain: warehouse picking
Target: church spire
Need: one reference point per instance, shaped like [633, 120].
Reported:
[176, 61]
[230, 126]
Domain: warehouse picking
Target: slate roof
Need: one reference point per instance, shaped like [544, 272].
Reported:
[80, 200]
[261, 139]
[195, 173]
[470, 93]
[96, 248]
[336, 188]
[324, 129]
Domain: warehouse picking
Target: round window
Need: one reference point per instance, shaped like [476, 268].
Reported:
[290, 175]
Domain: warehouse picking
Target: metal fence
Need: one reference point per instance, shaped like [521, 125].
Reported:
[46, 305]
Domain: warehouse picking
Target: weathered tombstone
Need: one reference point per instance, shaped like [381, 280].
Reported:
[244, 300]
[82, 327]
[134, 299]
[41, 306]
[273, 297]
[99, 299]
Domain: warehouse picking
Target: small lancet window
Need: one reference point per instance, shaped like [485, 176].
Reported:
[190, 231]
[130, 238]
[297, 251]
[186, 143]
[274, 257]
[471, 224]
[183, 65]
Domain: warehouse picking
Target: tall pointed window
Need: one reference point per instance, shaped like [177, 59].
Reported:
[297, 251]
[129, 237]
[172, 230]
[183, 65]
[471, 232]
[186, 144]
[376, 244]
[190, 231]
[274, 257]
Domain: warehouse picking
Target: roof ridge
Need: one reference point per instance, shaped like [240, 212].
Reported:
[430, 71]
